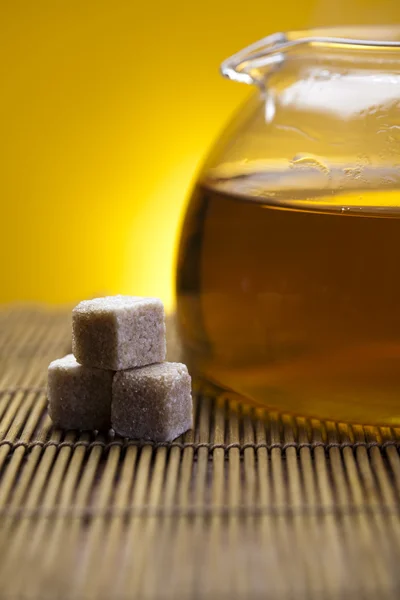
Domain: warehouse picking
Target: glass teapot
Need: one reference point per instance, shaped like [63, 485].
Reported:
[288, 276]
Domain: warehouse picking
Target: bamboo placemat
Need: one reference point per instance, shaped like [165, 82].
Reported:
[248, 505]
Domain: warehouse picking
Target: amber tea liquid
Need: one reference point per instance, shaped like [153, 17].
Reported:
[292, 299]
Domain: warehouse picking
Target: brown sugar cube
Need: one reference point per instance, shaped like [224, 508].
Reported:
[152, 403]
[79, 397]
[119, 332]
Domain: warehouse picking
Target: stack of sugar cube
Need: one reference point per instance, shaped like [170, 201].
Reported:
[116, 376]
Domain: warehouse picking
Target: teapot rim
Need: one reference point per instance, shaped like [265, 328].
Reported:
[270, 51]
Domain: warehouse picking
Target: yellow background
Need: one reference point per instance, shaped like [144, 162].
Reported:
[107, 109]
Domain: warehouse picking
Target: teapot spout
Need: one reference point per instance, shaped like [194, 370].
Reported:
[252, 64]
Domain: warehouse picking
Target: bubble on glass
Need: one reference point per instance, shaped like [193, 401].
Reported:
[309, 161]
[323, 74]
[353, 172]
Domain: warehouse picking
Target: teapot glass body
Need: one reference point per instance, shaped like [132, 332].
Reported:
[288, 290]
